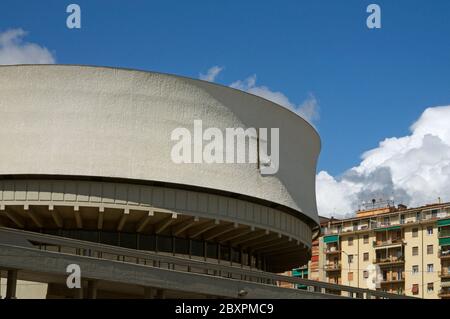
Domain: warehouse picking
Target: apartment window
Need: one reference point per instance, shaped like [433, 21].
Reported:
[366, 256]
[365, 274]
[350, 241]
[430, 230]
[402, 219]
[350, 276]
[430, 287]
[415, 269]
[415, 251]
[434, 213]
[415, 232]
[350, 259]
[415, 289]
[366, 239]
[430, 249]
[430, 268]
[418, 216]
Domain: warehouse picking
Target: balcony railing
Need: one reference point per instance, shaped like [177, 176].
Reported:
[389, 242]
[444, 233]
[373, 225]
[444, 293]
[389, 260]
[333, 267]
[52, 247]
[444, 274]
[332, 251]
[444, 254]
[393, 280]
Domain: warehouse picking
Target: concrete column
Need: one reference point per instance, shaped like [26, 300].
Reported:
[149, 293]
[79, 292]
[92, 289]
[11, 284]
[1, 283]
[160, 294]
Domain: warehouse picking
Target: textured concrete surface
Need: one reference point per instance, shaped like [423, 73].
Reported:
[91, 121]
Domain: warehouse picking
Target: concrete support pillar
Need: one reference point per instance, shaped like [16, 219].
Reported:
[1, 283]
[79, 292]
[11, 284]
[160, 294]
[92, 289]
[148, 293]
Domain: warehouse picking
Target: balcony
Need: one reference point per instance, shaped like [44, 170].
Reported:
[444, 254]
[333, 267]
[332, 251]
[386, 261]
[444, 233]
[393, 280]
[444, 293]
[388, 243]
[444, 274]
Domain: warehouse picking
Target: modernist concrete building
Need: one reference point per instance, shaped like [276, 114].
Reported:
[86, 178]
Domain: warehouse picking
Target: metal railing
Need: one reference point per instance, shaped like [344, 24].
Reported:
[381, 243]
[377, 224]
[389, 260]
[153, 259]
[332, 267]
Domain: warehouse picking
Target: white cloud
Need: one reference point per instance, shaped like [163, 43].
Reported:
[309, 109]
[13, 50]
[211, 74]
[413, 169]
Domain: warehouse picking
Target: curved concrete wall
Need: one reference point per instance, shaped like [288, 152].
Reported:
[115, 123]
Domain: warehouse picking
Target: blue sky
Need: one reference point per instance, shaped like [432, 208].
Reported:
[369, 84]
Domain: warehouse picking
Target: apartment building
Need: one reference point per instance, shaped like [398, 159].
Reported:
[392, 249]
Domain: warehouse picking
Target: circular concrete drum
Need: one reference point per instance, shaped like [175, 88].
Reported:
[87, 153]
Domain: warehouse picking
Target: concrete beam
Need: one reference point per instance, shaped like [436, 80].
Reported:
[144, 222]
[261, 241]
[37, 220]
[162, 225]
[101, 217]
[235, 234]
[123, 220]
[78, 219]
[274, 240]
[252, 236]
[53, 263]
[214, 233]
[184, 226]
[279, 249]
[200, 229]
[14, 217]
[59, 222]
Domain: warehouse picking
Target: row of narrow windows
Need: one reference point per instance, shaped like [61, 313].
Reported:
[167, 244]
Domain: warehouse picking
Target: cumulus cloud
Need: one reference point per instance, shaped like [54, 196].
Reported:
[413, 169]
[309, 109]
[13, 49]
[211, 74]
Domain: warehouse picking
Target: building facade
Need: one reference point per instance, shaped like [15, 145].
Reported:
[85, 159]
[391, 249]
